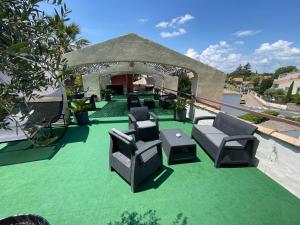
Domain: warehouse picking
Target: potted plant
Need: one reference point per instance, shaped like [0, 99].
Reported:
[180, 108]
[156, 94]
[69, 93]
[107, 94]
[25, 219]
[80, 111]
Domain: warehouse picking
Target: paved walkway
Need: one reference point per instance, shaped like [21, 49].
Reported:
[251, 101]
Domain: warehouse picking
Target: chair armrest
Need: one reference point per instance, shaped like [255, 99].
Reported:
[155, 117]
[222, 149]
[131, 118]
[130, 132]
[196, 120]
[147, 146]
[54, 119]
[57, 117]
[237, 138]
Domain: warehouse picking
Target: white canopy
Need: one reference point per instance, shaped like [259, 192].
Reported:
[208, 82]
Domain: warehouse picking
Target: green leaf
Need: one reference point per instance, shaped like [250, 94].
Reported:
[17, 46]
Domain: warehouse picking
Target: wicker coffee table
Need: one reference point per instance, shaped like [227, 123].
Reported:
[150, 103]
[177, 148]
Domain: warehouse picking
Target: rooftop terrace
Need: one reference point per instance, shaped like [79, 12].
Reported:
[70, 182]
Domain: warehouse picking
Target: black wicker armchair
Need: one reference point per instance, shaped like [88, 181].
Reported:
[139, 120]
[133, 160]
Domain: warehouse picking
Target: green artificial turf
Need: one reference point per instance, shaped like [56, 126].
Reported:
[70, 183]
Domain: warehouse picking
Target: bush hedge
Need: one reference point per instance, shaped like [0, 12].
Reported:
[297, 119]
[271, 112]
[252, 118]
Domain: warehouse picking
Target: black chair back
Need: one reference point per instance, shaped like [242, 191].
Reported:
[140, 113]
[123, 145]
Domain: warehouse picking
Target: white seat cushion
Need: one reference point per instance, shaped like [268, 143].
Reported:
[125, 136]
[12, 134]
[217, 139]
[145, 124]
[206, 129]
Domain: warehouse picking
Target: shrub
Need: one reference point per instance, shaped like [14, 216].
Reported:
[69, 92]
[288, 96]
[252, 118]
[184, 84]
[297, 119]
[107, 91]
[181, 103]
[271, 112]
[79, 105]
[296, 99]
[274, 92]
[265, 84]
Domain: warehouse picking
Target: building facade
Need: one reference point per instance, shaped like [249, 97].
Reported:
[285, 80]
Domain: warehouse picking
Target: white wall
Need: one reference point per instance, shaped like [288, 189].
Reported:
[285, 86]
[91, 84]
[280, 161]
[269, 104]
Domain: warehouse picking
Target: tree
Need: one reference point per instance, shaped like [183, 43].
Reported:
[288, 97]
[265, 84]
[184, 84]
[274, 92]
[68, 35]
[30, 48]
[255, 80]
[242, 71]
[282, 70]
[247, 68]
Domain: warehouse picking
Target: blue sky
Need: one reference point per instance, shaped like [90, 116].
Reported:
[223, 34]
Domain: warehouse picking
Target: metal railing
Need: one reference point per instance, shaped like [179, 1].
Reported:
[213, 103]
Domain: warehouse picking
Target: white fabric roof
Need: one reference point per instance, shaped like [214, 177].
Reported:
[133, 48]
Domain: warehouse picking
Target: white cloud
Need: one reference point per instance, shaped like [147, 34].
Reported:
[280, 49]
[174, 26]
[175, 22]
[279, 53]
[266, 58]
[192, 53]
[239, 42]
[175, 33]
[219, 55]
[184, 19]
[162, 24]
[244, 33]
[143, 20]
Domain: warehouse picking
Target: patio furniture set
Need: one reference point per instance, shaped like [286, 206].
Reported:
[136, 154]
[134, 101]
[167, 101]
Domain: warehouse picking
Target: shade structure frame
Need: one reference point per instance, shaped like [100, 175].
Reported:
[131, 48]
